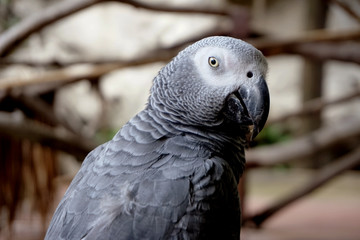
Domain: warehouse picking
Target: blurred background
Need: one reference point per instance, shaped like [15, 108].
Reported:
[73, 72]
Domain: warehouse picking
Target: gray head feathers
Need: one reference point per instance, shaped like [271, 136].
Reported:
[190, 91]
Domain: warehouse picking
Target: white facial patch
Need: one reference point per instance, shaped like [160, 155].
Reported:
[228, 73]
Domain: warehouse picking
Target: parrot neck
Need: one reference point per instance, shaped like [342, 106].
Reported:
[217, 141]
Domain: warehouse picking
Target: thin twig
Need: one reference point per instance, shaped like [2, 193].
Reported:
[171, 9]
[313, 107]
[347, 9]
[43, 111]
[22, 128]
[18, 33]
[80, 72]
[319, 44]
[303, 147]
[322, 177]
[348, 51]
[275, 46]
[75, 73]
[36, 22]
[156, 55]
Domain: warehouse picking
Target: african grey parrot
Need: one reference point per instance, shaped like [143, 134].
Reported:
[172, 171]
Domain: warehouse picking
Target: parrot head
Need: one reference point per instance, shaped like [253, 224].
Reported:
[214, 82]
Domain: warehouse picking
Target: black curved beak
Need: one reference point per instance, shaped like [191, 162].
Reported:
[249, 106]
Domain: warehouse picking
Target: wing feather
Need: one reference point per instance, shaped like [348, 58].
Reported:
[147, 185]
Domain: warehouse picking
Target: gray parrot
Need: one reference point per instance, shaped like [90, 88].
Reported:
[172, 171]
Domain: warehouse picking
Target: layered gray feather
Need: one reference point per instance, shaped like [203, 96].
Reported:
[171, 172]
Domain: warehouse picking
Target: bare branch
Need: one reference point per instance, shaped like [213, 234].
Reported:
[43, 110]
[15, 35]
[164, 8]
[21, 128]
[273, 46]
[38, 21]
[75, 73]
[80, 72]
[156, 55]
[347, 9]
[322, 176]
[305, 146]
[313, 107]
[319, 44]
[346, 51]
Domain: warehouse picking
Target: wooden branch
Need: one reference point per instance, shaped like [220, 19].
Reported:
[273, 46]
[80, 72]
[305, 146]
[347, 9]
[171, 9]
[56, 78]
[18, 33]
[346, 51]
[309, 44]
[42, 110]
[313, 107]
[74, 73]
[321, 177]
[18, 127]
[52, 63]
[156, 55]
[15, 35]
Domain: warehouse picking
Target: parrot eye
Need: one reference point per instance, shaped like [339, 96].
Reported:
[213, 62]
[249, 74]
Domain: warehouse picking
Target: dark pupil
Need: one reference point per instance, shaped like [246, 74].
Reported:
[213, 61]
[249, 74]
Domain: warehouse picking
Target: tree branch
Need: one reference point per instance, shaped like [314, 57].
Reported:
[322, 176]
[56, 78]
[42, 110]
[313, 107]
[345, 51]
[347, 9]
[18, 33]
[80, 72]
[164, 8]
[75, 73]
[273, 46]
[22, 128]
[303, 147]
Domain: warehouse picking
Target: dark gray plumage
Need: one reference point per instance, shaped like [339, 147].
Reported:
[172, 171]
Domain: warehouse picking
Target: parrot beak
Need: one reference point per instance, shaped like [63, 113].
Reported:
[249, 106]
